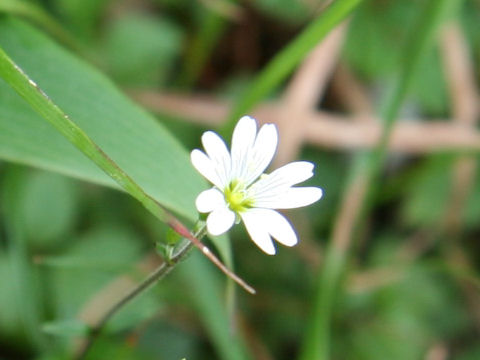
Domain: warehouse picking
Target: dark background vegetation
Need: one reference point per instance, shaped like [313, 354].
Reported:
[410, 289]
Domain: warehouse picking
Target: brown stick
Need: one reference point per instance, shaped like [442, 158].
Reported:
[351, 93]
[464, 95]
[326, 129]
[460, 76]
[179, 228]
[303, 93]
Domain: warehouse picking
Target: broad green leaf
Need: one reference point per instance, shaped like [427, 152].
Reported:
[130, 137]
[131, 147]
[49, 208]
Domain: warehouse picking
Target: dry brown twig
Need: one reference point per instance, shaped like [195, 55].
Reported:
[224, 9]
[333, 131]
[464, 95]
[438, 351]
[351, 93]
[463, 92]
[303, 93]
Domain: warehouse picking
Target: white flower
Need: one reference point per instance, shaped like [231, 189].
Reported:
[242, 192]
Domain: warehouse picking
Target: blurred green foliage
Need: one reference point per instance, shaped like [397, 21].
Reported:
[63, 241]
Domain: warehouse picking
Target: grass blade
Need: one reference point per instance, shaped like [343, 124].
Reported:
[285, 61]
[317, 337]
[42, 104]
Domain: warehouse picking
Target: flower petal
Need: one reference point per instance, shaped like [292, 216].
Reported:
[220, 220]
[257, 231]
[205, 166]
[292, 198]
[278, 226]
[242, 142]
[278, 182]
[209, 200]
[262, 152]
[293, 173]
[218, 153]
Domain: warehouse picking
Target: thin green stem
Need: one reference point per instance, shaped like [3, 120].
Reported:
[154, 277]
[365, 170]
[44, 106]
[286, 60]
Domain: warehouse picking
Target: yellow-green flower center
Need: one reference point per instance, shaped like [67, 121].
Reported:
[236, 197]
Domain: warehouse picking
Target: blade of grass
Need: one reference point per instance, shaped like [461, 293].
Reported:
[285, 61]
[132, 138]
[365, 171]
[155, 161]
[43, 105]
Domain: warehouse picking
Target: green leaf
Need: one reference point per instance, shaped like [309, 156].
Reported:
[49, 207]
[132, 139]
[158, 168]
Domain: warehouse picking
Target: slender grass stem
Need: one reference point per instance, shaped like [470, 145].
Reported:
[365, 171]
[43, 105]
[286, 60]
[154, 277]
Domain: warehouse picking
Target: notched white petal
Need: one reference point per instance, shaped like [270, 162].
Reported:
[275, 224]
[209, 200]
[243, 139]
[218, 153]
[295, 172]
[204, 166]
[220, 220]
[267, 138]
[262, 153]
[290, 199]
[282, 179]
[258, 232]
[279, 227]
